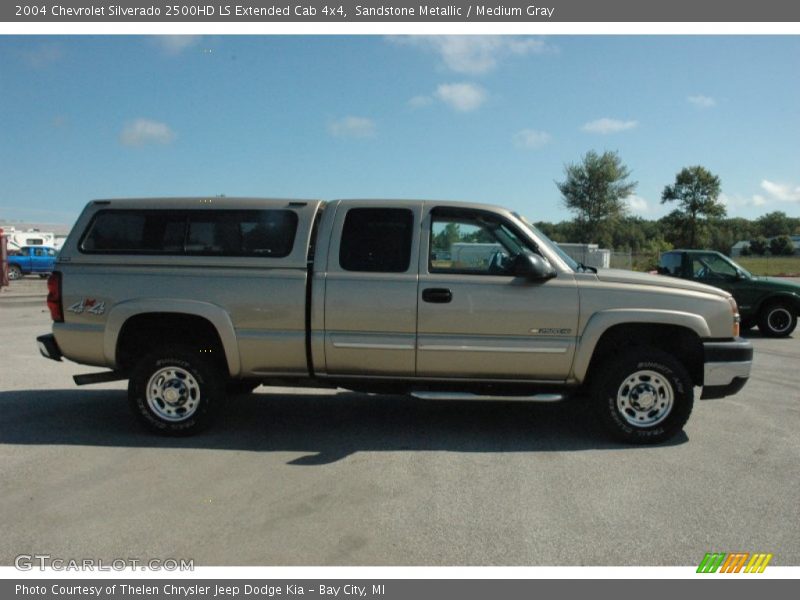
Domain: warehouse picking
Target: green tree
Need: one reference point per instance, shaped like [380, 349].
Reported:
[774, 224]
[696, 190]
[781, 246]
[759, 246]
[594, 190]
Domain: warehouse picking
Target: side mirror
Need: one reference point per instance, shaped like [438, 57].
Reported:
[532, 267]
[740, 274]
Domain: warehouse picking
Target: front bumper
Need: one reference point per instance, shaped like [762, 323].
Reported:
[48, 347]
[726, 367]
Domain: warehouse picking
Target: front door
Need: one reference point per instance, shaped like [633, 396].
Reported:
[475, 319]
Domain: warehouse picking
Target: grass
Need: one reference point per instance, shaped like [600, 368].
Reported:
[786, 266]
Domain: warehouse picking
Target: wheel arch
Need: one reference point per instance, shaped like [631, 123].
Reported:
[204, 320]
[789, 298]
[678, 333]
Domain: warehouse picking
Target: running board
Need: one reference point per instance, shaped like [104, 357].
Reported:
[467, 396]
[103, 377]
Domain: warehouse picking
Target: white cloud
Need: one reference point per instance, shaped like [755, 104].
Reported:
[176, 44]
[474, 54]
[463, 97]
[420, 101]
[146, 131]
[606, 126]
[781, 191]
[354, 127]
[531, 138]
[637, 204]
[701, 101]
[742, 201]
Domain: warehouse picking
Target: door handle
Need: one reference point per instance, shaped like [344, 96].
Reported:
[437, 295]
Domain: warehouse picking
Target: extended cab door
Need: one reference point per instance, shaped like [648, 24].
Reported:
[371, 289]
[476, 319]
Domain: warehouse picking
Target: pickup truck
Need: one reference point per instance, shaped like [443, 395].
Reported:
[192, 299]
[772, 304]
[31, 259]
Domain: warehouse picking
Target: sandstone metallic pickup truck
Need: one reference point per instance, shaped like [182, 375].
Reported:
[191, 299]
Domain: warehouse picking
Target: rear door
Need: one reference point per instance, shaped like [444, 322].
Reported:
[371, 289]
[476, 319]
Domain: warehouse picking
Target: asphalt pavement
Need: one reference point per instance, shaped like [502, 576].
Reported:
[335, 478]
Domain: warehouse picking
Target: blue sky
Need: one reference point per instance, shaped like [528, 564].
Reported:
[482, 118]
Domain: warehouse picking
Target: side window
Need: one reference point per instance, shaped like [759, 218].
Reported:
[671, 264]
[38, 252]
[712, 266]
[377, 240]
[178, 232]
[472, 245]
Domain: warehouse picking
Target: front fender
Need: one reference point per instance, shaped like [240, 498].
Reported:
[603, 320]
[214, 314]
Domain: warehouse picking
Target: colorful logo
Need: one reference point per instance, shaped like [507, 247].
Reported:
[734, 562]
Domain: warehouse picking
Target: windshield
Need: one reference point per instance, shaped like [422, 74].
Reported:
[575, 266]
[746, 273]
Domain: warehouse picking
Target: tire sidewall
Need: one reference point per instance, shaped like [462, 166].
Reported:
[669, 368]
[204, 373]
[765, 327]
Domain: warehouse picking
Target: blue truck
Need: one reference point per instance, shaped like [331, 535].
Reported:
[39, 260]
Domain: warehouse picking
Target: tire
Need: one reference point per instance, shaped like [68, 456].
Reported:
[644, 396]
[777, 319]
[176, 391]
[241, 387]
[14, 272]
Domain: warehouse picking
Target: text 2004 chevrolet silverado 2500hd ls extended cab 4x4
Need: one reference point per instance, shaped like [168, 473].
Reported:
[188, 298]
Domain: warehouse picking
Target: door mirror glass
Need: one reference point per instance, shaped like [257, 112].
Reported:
[532, 267]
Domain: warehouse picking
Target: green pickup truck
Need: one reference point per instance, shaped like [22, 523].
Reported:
[772, 304]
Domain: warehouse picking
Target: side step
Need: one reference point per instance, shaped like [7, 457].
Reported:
[468, 396]
[103, 377]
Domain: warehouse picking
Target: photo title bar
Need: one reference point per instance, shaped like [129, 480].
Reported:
[370, 11]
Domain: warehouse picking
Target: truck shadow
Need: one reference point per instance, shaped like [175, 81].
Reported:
[328, 427]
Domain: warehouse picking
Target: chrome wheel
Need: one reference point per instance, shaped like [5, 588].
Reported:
[645, 398]
[779, 319]
[173, 394]
[14, 273]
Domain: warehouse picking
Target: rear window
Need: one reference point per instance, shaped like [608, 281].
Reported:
[376, 240]
[266, 233]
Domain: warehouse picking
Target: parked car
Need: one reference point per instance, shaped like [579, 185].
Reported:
[191, 298]
[38, 260]
[771, 303]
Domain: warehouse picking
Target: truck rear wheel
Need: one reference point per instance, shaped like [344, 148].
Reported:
[14, 272]
[645, 396]
[176, 391]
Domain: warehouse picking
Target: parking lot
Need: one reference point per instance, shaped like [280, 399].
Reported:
[322, 478]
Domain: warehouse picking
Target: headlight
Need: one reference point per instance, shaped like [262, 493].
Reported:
[736, 318]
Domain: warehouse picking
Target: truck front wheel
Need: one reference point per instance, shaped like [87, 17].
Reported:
[645, 396]
[777, 320]
[176, 391]
[14, 272]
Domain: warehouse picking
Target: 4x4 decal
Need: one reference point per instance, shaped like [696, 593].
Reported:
[89, 305]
